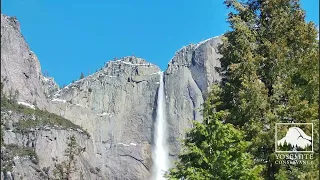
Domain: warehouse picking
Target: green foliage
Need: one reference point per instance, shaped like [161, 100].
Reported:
[21, 151]
[36, 118]
[64, 169]
[13, 150]
[43, 119]
[214, 150]
[13, 96]
[270, 74]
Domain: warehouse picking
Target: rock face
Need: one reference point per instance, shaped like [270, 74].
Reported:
[116, 106]
[20, 67]
[31, 153]
[49, 86]
[188, 78]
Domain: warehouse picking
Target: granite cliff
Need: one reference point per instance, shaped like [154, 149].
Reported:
[20, 67]
[188, 78]
[111, 112]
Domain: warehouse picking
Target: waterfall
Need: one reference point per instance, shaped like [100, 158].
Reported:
[160, 149]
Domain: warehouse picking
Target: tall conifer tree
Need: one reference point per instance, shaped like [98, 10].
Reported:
[270, 69]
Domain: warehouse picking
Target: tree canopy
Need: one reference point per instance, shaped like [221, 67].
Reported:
[270, 70]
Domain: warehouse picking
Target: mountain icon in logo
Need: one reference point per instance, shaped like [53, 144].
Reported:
[296, 138]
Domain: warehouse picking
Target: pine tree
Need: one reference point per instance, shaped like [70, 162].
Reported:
[81, 75]
[214, 150]
[64, 170]
[270, 69]
[270, 74]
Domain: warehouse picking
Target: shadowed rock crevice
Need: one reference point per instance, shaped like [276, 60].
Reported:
[139, 160]
[154, 116]
[193, 103]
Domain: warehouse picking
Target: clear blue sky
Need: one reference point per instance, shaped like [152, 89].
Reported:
[70, 37]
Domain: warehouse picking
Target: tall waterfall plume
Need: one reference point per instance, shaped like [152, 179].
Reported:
[160, 149]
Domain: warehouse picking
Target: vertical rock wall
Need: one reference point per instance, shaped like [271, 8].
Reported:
[116, 105]
[189, 76]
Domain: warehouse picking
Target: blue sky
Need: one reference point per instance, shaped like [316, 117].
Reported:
[70, 37]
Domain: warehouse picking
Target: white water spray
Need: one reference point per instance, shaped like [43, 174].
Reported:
[160, 150]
